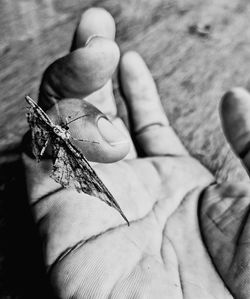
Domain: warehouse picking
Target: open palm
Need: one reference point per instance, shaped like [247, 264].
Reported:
[188, 236]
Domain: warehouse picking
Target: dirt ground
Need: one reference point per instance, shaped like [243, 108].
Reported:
[196, 51]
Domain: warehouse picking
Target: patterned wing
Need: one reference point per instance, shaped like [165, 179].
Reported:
[40, 126]
[71, 169]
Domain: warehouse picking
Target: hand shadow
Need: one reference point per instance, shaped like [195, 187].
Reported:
[22, 272]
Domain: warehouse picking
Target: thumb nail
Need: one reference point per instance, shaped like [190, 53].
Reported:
[90, 38]
[110, 133]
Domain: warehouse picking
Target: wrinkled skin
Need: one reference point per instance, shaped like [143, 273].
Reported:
[188, 236]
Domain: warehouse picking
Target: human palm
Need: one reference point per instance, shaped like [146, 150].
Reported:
[188, 235]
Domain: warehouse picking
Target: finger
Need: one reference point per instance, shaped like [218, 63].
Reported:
[151, 127]
[99, 22]
[96, 22]
[91, 131]
[79, 73]
[235, 117]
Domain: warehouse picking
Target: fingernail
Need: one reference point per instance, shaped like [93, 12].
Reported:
[90, 38]
[109, 132]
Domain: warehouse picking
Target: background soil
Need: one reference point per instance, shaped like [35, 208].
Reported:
[196, 51]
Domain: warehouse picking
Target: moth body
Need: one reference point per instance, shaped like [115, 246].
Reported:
[61, 132]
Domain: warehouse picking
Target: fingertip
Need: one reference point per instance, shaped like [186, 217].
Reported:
[234, 106]
[94, 21]
[234, 113]
[110, 146]
[113, 153]
[115, 144]
[132, 63]
[233, 99]
[130, 56]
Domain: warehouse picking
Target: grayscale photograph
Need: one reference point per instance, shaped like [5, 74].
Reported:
[124, 149]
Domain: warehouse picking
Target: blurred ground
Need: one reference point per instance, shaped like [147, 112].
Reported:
[196, 51]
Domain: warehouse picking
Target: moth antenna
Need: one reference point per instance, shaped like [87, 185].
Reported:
[29, 100]
[70, 116]
[85, 140]
[84, 115]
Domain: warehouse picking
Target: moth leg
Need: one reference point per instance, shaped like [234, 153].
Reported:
[44, 147]
[85, 140]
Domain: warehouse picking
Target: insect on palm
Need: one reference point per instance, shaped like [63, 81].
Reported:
[70, 167]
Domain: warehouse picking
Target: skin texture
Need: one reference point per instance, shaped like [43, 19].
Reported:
[188, 235]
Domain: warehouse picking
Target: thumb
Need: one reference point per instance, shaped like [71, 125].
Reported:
[91, 131]
[235, 112]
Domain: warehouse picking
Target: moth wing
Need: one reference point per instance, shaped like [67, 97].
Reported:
[40, 131]
[71, 169]
[62, 171]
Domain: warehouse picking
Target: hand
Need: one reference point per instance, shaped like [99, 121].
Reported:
[188, 236]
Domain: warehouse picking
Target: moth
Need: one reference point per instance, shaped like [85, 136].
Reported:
[70, 167]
